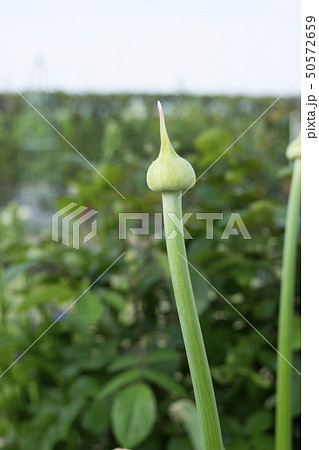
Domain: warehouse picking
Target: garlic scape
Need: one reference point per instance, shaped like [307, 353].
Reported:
[170, 174]
[284, 405]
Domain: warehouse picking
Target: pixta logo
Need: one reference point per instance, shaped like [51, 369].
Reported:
[71, 224]
[234, 226]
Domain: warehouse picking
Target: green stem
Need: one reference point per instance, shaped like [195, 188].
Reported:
[284, 370]
[2, 298]
[192, 335]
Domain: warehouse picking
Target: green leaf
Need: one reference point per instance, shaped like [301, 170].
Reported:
[154, 358]
[258, 422]
[212, 142]
[11, 272]
[259, 380]
[165, 382]
[124, 362]
[164, 355]
[44, 293]
[133, 414]
[97, 416]
[165, 360]
[114, 299]
[68, 415]
[184, 411]
[119, 381]
[84, 386]
[89, 308]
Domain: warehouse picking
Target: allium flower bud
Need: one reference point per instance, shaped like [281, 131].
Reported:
[169, 172]
[294, 148]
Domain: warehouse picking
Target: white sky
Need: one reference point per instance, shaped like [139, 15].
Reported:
[199, 46]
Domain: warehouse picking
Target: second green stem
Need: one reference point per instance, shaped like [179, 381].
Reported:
[284, 369]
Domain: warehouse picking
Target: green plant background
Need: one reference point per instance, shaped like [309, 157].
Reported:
[108, 372]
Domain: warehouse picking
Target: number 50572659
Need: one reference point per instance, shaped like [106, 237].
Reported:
[310, 47]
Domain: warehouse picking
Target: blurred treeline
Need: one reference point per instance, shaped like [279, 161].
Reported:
[125, 329]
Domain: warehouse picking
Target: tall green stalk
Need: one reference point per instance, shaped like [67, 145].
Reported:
[192, 335]
[171, 174]
[283, 438]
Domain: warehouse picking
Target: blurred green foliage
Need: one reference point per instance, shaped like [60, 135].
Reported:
[108, 371]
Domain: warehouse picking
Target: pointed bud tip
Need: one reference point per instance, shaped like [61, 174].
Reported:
[162, 119]
[169, 172]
